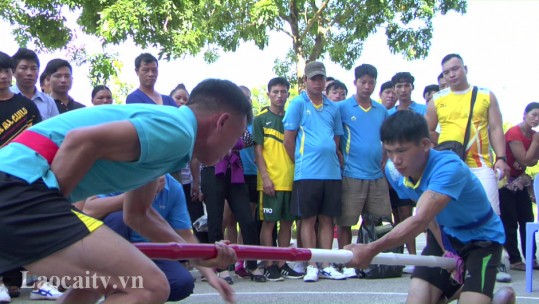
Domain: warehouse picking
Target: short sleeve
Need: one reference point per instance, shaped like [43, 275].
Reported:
[513, 134]
[447, 177]
[293, 115]
[258, 131]
[36, 114]
[157, 131]
[337, 123]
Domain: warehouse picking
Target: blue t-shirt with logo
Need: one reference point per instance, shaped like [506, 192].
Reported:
[315, 156]
[446, 174]
[361, 144]
[414, 107]
[166, 136]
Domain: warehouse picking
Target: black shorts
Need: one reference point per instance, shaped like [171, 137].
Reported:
[251, 181]
[36, 221]
[481, 258]
[312, 197]
[398, 202]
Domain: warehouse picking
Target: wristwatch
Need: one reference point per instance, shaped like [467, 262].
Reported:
[502, 158]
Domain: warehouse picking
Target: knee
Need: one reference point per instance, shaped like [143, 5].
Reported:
[181, 287]
[156, 289]
[505, 295]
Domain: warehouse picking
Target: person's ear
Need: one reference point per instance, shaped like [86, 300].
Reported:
[222, 120]
[426, 144]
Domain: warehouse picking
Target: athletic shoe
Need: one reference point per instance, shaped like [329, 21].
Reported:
[331, 273]
[45, 292]
[299, 267]
[311, 275]
[408, 269]
[4, 295]
[289, 273]
[502, 276]
[349, 272]
[272, 274]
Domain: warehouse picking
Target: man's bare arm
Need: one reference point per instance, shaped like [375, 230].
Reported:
[432, 120]
[428, 206]
[290, 143]
[267, 183]
[117, 141]
[141, 217]
[496, 136]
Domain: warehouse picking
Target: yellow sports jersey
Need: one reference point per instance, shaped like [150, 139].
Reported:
[452, 109]
[268, 131]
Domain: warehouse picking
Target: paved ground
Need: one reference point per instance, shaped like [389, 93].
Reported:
[382, 291]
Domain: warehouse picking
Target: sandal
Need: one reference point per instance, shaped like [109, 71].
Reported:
[225, 275]
[520, 266]
[256, 276]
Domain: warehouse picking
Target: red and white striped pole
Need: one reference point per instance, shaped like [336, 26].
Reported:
[178, 251]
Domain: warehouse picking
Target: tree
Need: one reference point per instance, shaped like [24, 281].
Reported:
[335, 29]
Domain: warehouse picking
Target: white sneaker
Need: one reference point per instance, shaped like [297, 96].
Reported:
[408, 269]
[45, 292]
[299, 267]
[4, 295]
[349, 272]
[331, 273]
[311, 275]
[502, 276]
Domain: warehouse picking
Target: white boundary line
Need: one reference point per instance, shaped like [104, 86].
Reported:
[248, 293]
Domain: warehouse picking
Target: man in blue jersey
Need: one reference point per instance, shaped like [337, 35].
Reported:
[171, 204]
[364, 187]
[312, 125]
[102, 150]
[404, 85]
[447, 193]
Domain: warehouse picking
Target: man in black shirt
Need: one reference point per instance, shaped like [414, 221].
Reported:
[16, 114]
[60, 75]
[16, 111]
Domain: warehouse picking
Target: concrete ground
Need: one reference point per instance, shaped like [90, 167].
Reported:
[381, 291]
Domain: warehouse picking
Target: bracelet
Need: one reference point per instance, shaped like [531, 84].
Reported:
[502, 158]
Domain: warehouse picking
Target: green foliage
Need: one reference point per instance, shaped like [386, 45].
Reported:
[334, 29]
[103, 67]
[259, 97]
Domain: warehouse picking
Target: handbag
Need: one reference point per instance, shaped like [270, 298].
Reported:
[455, 146]
[370, 230]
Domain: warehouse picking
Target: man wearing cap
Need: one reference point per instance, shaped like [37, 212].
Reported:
[312, 125]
